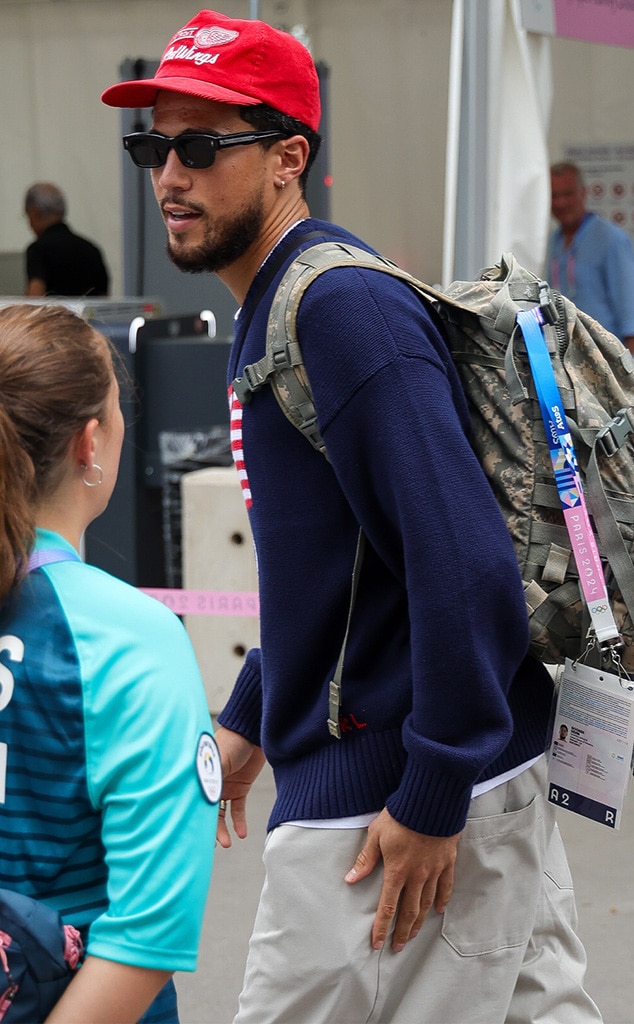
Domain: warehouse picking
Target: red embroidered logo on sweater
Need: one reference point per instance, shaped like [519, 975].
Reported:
[348, 722]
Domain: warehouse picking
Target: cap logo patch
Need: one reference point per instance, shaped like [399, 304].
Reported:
[202, 38]
[214, 36]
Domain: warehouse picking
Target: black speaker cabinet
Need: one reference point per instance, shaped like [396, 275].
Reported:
[174, 383]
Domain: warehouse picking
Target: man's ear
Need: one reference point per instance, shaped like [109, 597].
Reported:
[293, 157]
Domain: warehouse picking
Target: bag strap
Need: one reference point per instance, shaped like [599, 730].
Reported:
[283, 353]
[46, 556]
[272, 266]
[334, 689]
[608, 441]
[278, 366]
[569, 485]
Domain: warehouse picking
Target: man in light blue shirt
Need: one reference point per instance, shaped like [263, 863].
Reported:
[590, 260]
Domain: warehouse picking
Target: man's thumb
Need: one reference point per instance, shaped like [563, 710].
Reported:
[365, 862]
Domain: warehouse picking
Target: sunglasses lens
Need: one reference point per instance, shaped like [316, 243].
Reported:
[150, 150]
[147, 151]
[196, 150]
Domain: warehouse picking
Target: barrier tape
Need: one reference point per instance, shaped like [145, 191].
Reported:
[206, 602]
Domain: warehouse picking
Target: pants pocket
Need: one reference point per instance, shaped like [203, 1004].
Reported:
[498, 878]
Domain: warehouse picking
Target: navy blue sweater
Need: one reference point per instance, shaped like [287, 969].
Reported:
[437, 690]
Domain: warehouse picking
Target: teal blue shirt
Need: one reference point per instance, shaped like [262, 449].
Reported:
[102, 814]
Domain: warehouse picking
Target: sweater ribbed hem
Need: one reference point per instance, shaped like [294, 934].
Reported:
[356, 776]
[345, 777]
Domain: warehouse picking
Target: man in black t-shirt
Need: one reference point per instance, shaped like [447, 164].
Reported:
[59, 262]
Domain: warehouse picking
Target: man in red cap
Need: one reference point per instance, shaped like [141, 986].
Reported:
[414, 871]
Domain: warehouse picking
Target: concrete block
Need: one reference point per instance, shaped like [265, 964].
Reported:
[218, 555]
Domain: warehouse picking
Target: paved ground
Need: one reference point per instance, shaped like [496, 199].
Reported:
[600, 860]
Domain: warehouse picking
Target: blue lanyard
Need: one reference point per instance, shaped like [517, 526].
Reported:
[567, 478]
[48, 555]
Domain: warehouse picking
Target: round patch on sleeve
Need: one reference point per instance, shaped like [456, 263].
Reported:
[208, 767]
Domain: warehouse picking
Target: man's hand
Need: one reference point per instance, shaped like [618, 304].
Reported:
[417, 875]
[242, 762]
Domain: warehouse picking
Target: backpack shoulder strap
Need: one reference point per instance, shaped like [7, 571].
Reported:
[282, 365]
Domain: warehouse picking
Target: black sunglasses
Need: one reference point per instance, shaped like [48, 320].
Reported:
[149, 149]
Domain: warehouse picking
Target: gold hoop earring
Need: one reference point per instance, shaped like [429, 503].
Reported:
[94, 483]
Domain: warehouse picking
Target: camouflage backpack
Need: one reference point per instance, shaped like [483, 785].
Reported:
[594, 373]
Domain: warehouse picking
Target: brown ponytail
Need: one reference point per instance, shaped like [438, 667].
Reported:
[55, 374]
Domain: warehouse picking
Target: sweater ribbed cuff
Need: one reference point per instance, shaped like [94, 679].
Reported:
[426, 802]
[243, 711]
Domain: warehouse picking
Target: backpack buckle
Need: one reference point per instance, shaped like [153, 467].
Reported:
[547, 303]
[242, 389]
[614, 434]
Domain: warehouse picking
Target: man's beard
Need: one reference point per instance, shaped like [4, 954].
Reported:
[231, 242]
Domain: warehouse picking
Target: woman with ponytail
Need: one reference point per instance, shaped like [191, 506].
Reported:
[109, 775]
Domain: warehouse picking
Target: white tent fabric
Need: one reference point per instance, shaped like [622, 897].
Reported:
[519, 185]
[510, 166]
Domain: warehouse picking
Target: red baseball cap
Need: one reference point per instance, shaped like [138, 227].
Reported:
[231, 60]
